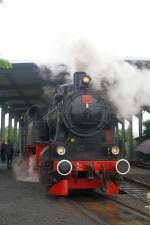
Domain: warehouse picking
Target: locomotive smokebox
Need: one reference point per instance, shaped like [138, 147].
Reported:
[78, 76]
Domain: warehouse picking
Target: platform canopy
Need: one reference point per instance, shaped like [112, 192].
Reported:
[20, 87]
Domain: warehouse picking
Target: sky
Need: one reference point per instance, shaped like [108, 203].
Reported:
[40, 29]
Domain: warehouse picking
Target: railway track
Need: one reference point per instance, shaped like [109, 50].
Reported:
[104, 210]
[135, 188]
[87, 205]
[140, 164]
[133, 195]
[133, 199]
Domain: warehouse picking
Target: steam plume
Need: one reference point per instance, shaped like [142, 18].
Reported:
[25, 173]
[54, 75]
[127, 85]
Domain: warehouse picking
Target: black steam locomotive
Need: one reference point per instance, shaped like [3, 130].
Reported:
[72, 140]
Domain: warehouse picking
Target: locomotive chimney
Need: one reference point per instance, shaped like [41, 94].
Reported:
[78, 76]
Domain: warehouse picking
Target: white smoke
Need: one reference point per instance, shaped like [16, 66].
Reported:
[24, 171]
[128, 87]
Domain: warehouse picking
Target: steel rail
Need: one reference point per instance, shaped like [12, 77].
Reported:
[87, 211]
[135, 188]
[140, 165]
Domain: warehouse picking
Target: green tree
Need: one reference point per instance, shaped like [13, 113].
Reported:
[5, 64]
[12, 134]
[120, 136]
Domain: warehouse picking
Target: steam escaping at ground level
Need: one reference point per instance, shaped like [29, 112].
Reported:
[25, 170]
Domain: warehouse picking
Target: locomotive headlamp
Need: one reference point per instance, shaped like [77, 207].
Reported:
[115, 150]
[60, 150]
[86, 79]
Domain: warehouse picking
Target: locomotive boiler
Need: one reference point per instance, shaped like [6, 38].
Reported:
[74, 147]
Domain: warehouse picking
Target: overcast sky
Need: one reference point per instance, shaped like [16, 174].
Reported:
[37, 29]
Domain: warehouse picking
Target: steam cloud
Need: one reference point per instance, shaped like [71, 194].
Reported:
[128, 87]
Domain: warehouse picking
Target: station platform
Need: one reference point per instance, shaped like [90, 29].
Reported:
[25, 203]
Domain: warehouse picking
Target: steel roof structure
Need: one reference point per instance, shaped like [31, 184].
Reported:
[20, 87]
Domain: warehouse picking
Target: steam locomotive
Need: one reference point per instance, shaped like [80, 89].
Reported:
[72, 140]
